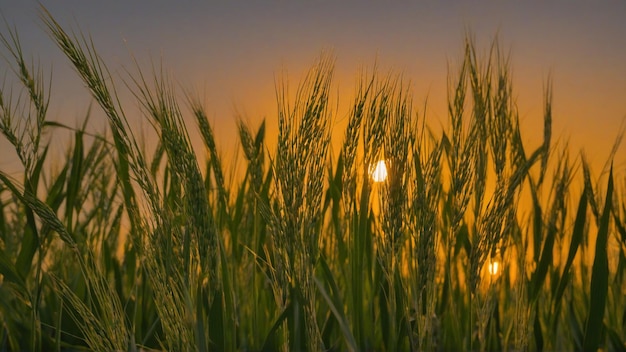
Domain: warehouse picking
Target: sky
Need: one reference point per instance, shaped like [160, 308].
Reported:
[232, 53]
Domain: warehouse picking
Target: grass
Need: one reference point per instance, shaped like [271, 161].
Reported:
[304, 251]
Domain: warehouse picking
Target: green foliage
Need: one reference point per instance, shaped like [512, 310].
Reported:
[469, 244]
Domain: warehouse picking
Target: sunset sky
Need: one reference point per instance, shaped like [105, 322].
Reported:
[231, 53]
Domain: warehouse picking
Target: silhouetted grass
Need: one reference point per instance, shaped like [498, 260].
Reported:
[305, 251]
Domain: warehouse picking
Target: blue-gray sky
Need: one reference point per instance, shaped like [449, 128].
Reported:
[231, 52]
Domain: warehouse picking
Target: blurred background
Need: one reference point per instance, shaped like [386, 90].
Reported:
[232, 54]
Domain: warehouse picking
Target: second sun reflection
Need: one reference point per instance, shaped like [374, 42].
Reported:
[378, 173]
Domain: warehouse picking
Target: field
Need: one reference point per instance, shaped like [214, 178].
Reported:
[473, 241]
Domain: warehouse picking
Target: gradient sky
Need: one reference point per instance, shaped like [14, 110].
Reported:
[230, 53]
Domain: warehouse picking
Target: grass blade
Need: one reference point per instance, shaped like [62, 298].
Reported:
[9, 272]
[577, 238]
[599, 276]
[335, 304]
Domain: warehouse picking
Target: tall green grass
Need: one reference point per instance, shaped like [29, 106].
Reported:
[115, 248]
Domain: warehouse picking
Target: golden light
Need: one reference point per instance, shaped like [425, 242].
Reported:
[494, 268]
[378, 171]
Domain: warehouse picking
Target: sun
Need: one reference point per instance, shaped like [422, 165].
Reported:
[494, 268]
[378, 171]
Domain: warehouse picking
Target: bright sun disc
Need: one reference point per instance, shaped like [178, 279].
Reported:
[494, 267]
[378, 171]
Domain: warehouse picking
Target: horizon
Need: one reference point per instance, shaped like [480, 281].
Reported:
[232, 58]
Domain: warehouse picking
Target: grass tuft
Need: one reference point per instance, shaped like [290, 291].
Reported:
[303, 250]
